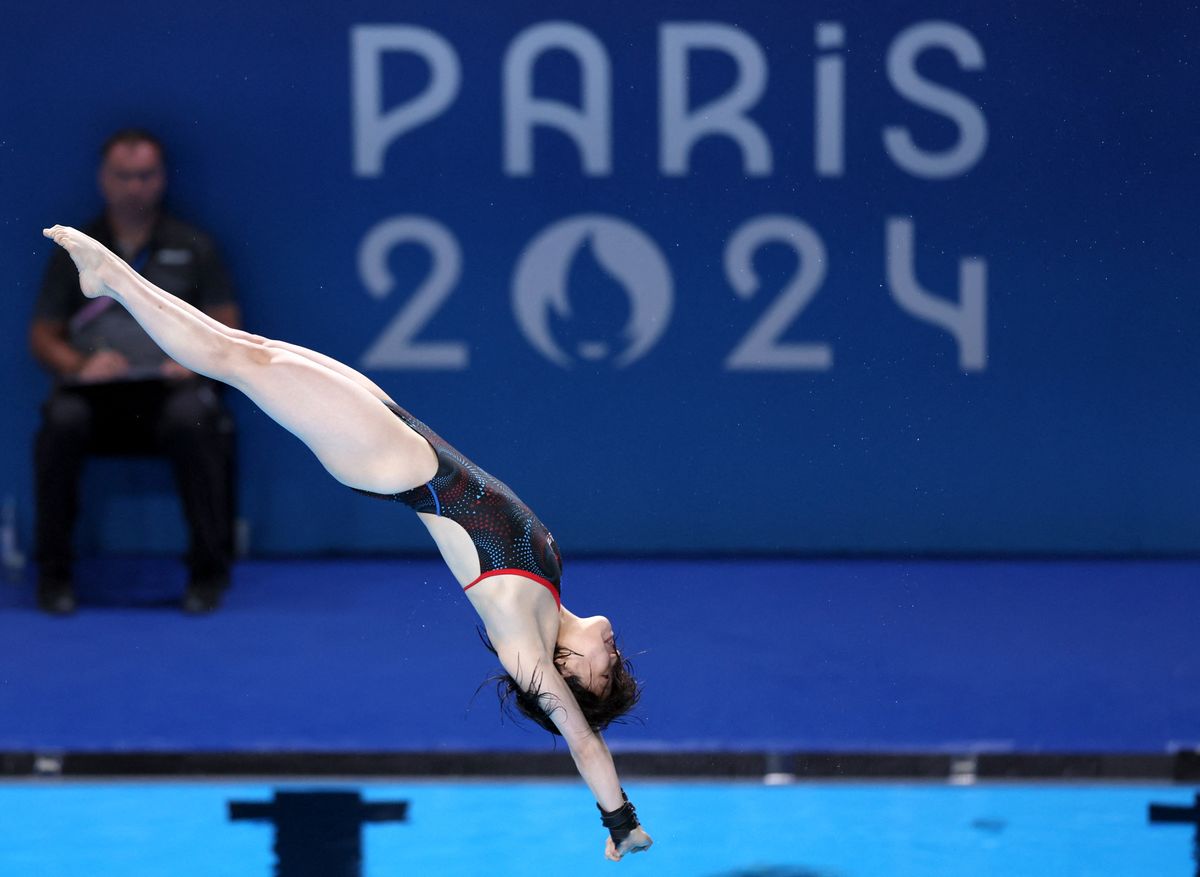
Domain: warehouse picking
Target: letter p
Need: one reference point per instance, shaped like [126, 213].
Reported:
[375, 129]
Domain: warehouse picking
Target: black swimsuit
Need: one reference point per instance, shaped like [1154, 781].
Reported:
[507, 536]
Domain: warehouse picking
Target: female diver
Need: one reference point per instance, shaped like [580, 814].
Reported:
[564, 671]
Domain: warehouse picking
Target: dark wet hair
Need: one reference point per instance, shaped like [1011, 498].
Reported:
[130, 136]
[599, 711]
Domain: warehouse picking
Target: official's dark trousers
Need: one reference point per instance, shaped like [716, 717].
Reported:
[182, 420]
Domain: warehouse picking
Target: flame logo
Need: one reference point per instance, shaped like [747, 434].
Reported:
[632, 259]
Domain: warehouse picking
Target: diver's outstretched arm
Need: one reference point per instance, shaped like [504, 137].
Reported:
[588, 749]
[331, 408]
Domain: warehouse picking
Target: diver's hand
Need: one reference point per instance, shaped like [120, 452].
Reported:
[637, 841]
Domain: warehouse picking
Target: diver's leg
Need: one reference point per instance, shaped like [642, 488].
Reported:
[320, 358]
[332, 364]
[356, 438]
[242, 335]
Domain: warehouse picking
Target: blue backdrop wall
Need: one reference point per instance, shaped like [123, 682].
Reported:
[764, 276]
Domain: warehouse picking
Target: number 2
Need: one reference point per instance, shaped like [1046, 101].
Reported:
[396, 347]
[761, 349]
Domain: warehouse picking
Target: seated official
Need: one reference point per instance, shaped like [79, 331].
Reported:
[115, 392]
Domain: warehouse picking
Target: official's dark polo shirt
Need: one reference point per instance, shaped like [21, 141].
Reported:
[179, 258]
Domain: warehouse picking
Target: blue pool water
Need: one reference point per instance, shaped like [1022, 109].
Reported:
[538, 828]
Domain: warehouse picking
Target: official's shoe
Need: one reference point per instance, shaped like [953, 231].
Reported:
[204, 596]
[56, 598]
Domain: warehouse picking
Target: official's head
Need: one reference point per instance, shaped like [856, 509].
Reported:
[133, 175]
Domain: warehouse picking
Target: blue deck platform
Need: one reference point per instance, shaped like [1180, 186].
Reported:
[382, 655]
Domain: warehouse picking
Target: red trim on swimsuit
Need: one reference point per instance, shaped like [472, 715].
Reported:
[525, 574]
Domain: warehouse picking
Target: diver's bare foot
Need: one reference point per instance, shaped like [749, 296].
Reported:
[94, 262]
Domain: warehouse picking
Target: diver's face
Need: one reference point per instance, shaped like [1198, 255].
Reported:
[589, 654]
[132, 180]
